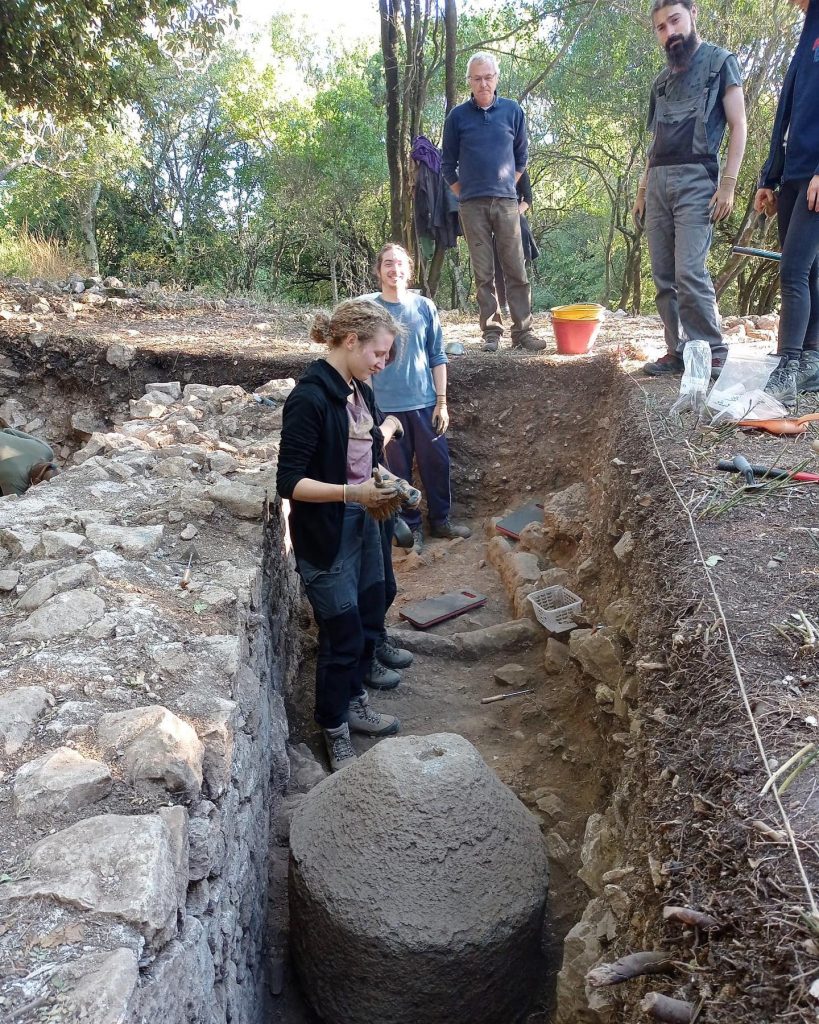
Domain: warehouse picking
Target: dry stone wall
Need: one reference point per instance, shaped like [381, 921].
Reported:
[146, 642]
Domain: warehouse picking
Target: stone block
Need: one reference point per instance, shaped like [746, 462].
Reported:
[171, 388]
[60, 543]
[243, 500]
[504, 636]
[497, 550]
[624, 547]
[450, 920]
[118, 354]
[60, 781]
[9, 578]
[215, 719]
[98, 987]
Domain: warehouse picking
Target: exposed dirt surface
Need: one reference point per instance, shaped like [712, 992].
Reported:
[695, 830]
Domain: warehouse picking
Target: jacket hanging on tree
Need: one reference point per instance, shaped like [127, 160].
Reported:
[435, 205]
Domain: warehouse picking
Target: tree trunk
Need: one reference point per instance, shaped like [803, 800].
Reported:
[451, 50]
[389, 50]
[88, 226]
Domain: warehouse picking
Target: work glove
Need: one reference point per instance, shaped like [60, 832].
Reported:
[395, 423]
[440, 417]
[380, 497]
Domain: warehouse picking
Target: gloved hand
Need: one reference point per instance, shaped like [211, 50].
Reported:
[375, 494]
[410, 496]
[392, 427]
[440, 417]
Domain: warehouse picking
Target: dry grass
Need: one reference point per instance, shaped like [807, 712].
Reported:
[28, 254]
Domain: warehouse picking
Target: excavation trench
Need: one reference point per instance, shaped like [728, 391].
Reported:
[522, 432]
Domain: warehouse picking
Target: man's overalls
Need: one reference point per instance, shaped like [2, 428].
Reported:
[682, 178]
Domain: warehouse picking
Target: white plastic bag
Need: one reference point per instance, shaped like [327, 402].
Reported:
[696, 378]
[737, 387]
[754, 405]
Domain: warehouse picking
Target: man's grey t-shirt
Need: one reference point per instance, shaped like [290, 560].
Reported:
[688, 84]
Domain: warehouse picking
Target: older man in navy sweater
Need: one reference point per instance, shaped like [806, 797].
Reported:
[485, 152]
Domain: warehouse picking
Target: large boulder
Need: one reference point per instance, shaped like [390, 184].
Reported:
[417, 888]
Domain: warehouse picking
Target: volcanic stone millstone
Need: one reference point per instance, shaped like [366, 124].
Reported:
[418, 884]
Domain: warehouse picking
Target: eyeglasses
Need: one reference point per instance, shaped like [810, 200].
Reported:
[480, 79]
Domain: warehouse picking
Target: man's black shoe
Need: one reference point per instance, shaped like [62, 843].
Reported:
[449, 530]
[665, 366]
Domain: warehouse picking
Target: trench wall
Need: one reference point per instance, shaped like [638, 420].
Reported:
[147, 642]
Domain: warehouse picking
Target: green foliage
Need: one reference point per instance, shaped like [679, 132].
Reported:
[68, 57]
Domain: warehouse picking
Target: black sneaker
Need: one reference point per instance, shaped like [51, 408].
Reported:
[665, 366]
[782, 382]
[390, 654]
[449, 530]
[490, 344]
[379, 677]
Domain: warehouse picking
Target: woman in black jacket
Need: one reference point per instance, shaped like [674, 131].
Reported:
[789, 184]
[330, 446]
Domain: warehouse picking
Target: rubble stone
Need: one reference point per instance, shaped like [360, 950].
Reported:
[156, 746]
[9, 579]
[556, 656]
[120, 355]
[515, 676]
[600, 652]
[113, 865]
[19, 710]
[131, 540]
[60, 781]
[62, 615]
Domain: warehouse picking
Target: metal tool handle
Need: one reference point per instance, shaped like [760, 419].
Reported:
[763, 254]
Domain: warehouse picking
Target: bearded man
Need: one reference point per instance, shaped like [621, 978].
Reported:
[681, 194]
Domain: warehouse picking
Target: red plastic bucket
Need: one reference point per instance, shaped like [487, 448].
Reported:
[574, 337]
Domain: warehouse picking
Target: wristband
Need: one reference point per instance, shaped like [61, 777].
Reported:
[640, 188]
[730, 177]
[344, 493]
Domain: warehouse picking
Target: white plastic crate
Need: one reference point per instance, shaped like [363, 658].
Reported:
[555, 607]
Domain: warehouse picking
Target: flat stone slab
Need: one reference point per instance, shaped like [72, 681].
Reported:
[98, 987]
[503, 636]
[417, 888]
[60, 616]
[113, 865]
[131, 540]
[59, 781]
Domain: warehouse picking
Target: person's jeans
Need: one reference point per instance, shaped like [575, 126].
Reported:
[798, 271]
[432, 454]
[348, 603]
[482, 220]
[679, 233]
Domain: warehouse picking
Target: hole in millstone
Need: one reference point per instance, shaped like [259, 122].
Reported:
[430, 754]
